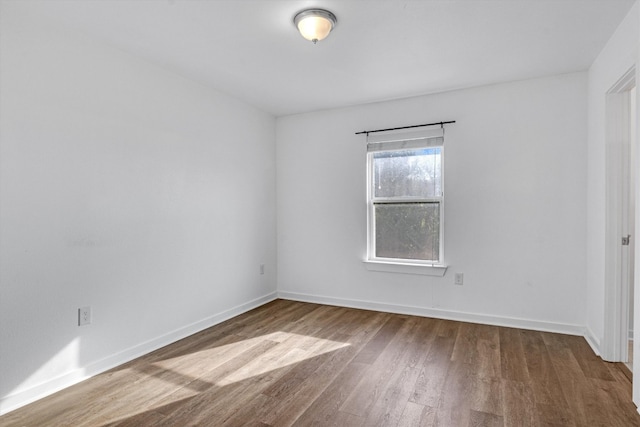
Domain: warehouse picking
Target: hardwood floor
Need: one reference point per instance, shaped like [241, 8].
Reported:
[290, 363]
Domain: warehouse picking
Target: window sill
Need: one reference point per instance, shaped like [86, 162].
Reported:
[405, 268]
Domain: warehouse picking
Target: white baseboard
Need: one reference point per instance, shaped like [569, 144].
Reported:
[511, 322]
[593, 341]
[24, 397]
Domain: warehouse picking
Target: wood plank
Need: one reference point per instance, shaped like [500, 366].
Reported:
[388, 408]
[545, 381]
[479, 346]
[513, 364]
[373, 385]
[148, 418]
[579, 393]
[552, 407]
[617, 410]
[483, 419]
[448, 328]
[591, 365]
[485, 395]
[379, 342]
[464, 392]
[343, 419]
[416, 415]
[519, 404]
[454, 402]
[248, 414]
[430, 382]
[323, 409]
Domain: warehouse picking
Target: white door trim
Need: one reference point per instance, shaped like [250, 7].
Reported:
[618, 139]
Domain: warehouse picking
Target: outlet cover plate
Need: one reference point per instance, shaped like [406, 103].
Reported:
[459, 279]
[84, 316]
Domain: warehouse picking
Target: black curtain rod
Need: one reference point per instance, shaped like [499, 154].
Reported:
[406, 127]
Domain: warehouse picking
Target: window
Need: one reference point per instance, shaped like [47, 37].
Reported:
[405, 200]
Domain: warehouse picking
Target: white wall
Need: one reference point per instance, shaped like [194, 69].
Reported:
[618, 56]
[126, 188]
[515, 171]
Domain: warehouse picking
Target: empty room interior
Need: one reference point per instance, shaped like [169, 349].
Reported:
[269, 213]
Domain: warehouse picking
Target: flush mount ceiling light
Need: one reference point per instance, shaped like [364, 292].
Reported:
[315, 24]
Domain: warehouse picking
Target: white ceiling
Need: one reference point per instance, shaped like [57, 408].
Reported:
[380, 50]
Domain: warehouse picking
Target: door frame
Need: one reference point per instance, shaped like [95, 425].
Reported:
[618, 148]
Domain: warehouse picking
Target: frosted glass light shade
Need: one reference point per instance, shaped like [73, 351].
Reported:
[315, 24]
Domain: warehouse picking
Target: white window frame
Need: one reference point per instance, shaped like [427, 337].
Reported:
[401, 265]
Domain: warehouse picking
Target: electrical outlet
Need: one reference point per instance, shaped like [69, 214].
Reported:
[459, 279]
[261, 268]
[84, 316]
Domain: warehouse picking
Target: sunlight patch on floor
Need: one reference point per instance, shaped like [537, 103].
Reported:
[301, 347]
[163, 382]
